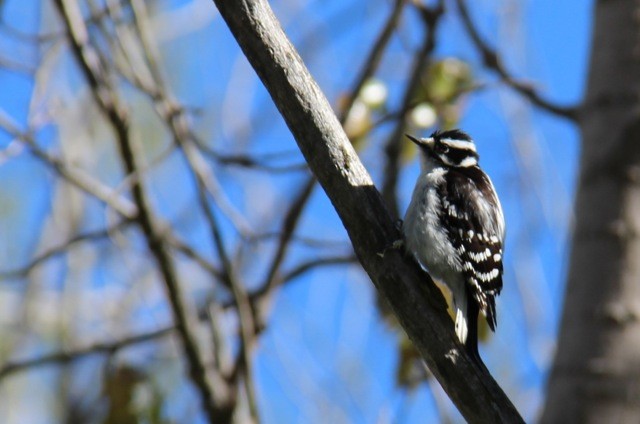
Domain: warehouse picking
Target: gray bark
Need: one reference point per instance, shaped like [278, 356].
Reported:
[596, 374]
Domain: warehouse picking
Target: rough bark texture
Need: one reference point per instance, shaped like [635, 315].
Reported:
[596, 375]
[417, 303]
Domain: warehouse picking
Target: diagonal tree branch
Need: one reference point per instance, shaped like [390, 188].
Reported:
[417, 303]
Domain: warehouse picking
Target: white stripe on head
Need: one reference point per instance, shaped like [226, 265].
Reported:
[459, 144]
[468, 161]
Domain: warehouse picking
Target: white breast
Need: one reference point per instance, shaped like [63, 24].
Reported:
[424, 238]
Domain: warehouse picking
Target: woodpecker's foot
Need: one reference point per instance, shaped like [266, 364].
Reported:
[396, 245]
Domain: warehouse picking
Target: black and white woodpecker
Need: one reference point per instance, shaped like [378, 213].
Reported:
[454, 227]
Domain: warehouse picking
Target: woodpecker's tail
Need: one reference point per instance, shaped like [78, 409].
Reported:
[471, 319]
[466, 325]
[471, 343]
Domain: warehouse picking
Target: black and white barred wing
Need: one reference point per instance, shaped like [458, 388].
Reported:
[473, 215]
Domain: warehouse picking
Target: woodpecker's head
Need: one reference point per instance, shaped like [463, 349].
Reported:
[452, 148]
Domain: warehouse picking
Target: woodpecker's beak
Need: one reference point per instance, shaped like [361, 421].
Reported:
[422, 142]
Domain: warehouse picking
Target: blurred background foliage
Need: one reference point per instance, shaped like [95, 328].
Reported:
[87, 333]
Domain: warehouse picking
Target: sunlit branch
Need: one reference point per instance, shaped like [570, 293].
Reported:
[296, 209]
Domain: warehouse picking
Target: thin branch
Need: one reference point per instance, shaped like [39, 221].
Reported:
[61, 249]
[245, 311]
[26, 37]
[415, 300]
[372, 61]
[117, 115]
[249, 162]
[492, 60]
[64, 357]
[174, 115]
[393, 145]
[15, 66]
[191, 253]
[289, 276]
[109, 196]
[305, 267]
[289, 225]
[73, 175]
[302, 240]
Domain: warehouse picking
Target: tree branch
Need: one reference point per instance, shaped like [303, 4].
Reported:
[73, 175]
[418, 304]
[216, 407]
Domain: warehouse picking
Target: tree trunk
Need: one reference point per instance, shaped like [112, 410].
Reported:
[596, 374]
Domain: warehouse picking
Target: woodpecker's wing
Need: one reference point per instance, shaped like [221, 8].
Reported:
[473, 215]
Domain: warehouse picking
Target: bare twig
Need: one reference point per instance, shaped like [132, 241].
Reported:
[75, 176]
[249, 162]
[174, 115]
[91, 186]
[190, 253]
[15, 66]
[492, 61]
[58, 250]
[71, 355]
[303, 240]
[289, 224]
[305, 267]
[393, 145]
[245, 312]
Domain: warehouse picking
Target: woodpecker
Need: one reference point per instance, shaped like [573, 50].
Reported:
[454, 228]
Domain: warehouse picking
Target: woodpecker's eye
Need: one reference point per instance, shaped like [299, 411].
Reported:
[441, 148]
